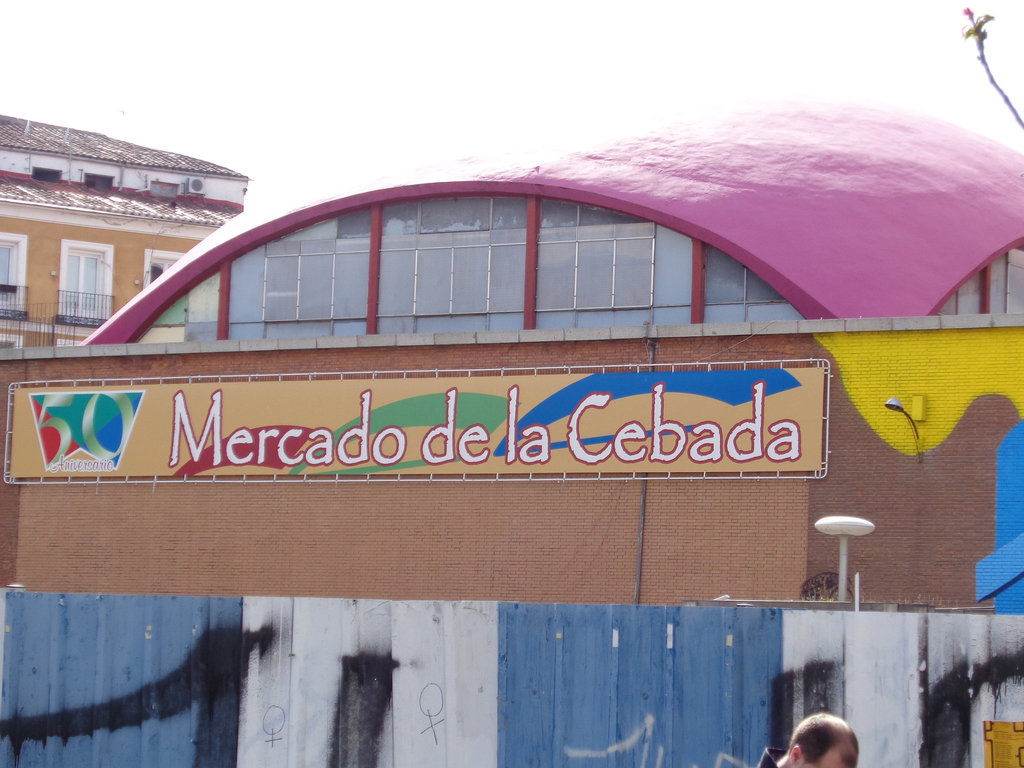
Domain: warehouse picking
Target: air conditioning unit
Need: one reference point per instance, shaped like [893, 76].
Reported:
[195, 186]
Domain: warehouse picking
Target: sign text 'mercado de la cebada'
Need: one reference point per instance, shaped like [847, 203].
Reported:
[689, 421]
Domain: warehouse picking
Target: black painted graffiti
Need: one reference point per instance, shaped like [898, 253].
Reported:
[432, 705]
[947, 707]
[363, 703]
[273, 723]
[820, 684]
[207, 682]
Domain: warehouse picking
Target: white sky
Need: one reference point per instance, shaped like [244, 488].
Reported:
[311, 99]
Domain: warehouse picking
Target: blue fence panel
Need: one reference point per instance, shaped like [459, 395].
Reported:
[635, 686]
[120, 681]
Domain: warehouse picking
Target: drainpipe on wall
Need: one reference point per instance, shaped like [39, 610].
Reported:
[643, 485]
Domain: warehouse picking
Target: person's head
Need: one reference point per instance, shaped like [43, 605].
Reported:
[822, 741]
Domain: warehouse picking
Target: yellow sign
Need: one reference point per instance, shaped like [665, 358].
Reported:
[1004, 745]
[722, 421]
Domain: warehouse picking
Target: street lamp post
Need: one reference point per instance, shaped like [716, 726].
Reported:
[844, 527]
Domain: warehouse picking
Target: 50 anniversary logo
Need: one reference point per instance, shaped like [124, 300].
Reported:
[84, 431]
[718, 421]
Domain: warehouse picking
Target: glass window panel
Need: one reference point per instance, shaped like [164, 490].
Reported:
[200, 331]
[437, 240]
[397, 276]
[282, 288]
[309, 329]
[509, 213]
[725, 313]
[596, 232]
[433, 281]
[5, 265]
[594, 274]
[90, 269]
[354, 225]
[204, 301]
[283, 247]
[507, 236]
[400, 219]
[633, 273]
[351, 283]
[558, 213]
[247, 287]
[724, 278]
[779, 311]
[245, 331]
[968, 298]
[315, 285]
[1015, 282]
[590, 215]
[349, 327]
[451, 324]
[505, 321]
[469, 280]
[317, 246]
[997, 285]
[673, 268]
[759, 290]
[324, 230]
[672, 316]
[556, 275]
[355, 245]
[464, 214]
[546, 320]
[599, 319]
[72, 265]
[557, 234]
[635, 229]
[508, 273]
[396, 325]
[471, 238]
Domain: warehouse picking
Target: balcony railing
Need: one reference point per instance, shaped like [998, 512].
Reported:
[85, 309]
[42, 325]
[12, 302]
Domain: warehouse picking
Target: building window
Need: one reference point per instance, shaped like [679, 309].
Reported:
[733, 293]
[157, 262]
[594, 267]
[98, 182]
[86, 282]
[13, 250]
[452, 265]
[45, 174]
[163, 189]
[311, 283]
[997, 288]
[460, 264]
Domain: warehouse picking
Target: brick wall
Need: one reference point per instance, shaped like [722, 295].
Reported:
[547, 541]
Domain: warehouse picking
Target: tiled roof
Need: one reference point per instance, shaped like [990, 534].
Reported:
[29, 135]
[184, 210]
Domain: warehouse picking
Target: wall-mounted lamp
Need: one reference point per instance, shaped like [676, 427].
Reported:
[895, 404]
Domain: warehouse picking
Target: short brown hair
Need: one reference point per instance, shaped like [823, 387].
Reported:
[817, 734]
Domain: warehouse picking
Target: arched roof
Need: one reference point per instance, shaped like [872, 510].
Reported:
[846, 210]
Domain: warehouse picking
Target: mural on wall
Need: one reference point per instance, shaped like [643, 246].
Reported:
[314, 682]
[949, 369]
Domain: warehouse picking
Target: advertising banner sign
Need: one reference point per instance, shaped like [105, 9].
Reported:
[699, 421]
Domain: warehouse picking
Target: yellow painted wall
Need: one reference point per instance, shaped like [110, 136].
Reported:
[950, 368]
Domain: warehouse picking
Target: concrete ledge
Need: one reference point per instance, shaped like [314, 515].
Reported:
[556, 335]
[915, 323]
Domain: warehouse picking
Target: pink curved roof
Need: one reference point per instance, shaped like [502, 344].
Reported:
[847, 211]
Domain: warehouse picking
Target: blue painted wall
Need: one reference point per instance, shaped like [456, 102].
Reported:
[588, 686]
[118, 681]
